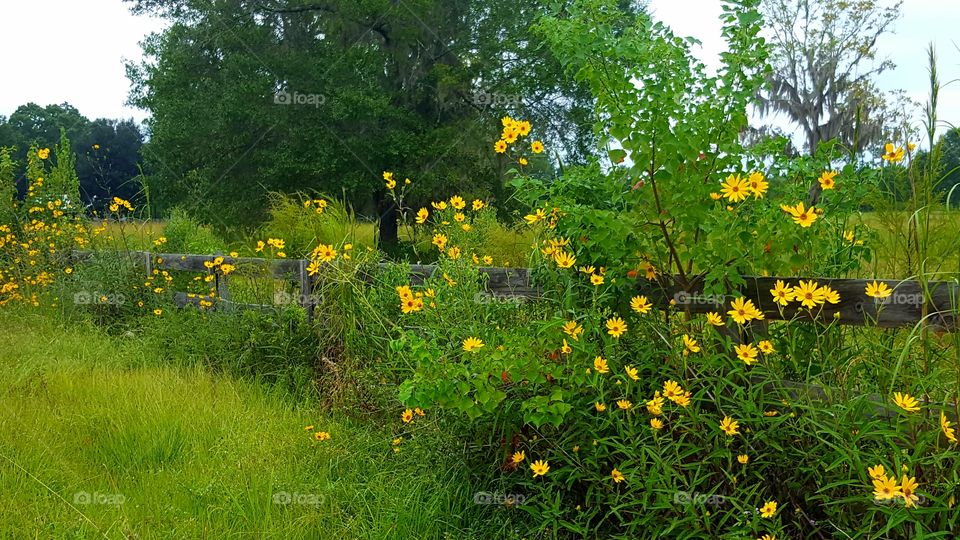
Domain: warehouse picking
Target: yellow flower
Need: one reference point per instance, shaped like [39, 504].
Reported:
[523, 161]
[457, 202]
[617, 476]
[766, 346]
[440, 240]
[655, 405]
[624, 404]
[487, 260]
[539, 468]
[809, 294]
[566, 348]
[471, 344]
[743, 311]
[906, 402]
[321, 436]
[536, 147]
[908, 490]
[500, 146]
[781, 293]
[746, 352]
[43, 153]
[876, 472]
[826, 180]
[829, 295]
[885, 488]
[715, 196]
[419, 412]
[768, 509]
[407, 416]
[564, 259]
[891, 154]
[801, 216]
[441, 205]
[714, 318]
[596, 279]
[947, 430]
[640, 304]
[616, 327]
[600, 364]
[422, 215]
[308, 428]
[391, 183]
[631, 372]
[454, 253]
[757, 184]
[743, 459]
[656, 423]
[690, 344]
[734, 188]
[878, 290]
[538, 215]
[729, 426]
[518, 457]
[600, 407]
[767, 537]
[410, 304]
[672, 390]
[572, 329]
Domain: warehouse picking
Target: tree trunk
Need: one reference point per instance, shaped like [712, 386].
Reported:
[388, 229]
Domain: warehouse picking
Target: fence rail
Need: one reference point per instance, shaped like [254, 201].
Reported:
[909, 303]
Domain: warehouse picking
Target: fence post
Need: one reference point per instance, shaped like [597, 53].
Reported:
[306, 290]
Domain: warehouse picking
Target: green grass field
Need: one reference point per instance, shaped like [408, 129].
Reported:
[98, 439]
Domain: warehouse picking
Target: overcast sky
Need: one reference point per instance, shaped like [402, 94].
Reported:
[73, 51]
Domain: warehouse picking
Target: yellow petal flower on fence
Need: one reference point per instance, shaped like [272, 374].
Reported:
[878, 290]
[714, 318]
[743, 311]
[809, 294]
[782, 294]
[564, 259]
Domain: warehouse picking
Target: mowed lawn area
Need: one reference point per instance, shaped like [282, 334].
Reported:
[98, 439]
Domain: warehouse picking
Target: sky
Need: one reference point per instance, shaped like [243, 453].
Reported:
[74, 51]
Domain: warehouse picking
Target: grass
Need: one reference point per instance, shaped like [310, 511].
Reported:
[168, 452]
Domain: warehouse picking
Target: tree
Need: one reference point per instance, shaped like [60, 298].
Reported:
[824, 61]
[107, 151]
[249, 97]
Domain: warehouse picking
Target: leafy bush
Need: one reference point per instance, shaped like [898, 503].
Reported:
[186, 235]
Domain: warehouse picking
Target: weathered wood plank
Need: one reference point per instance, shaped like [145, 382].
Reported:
[903, 308]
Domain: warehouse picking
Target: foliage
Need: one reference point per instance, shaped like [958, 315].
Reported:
[320, 97]
[184, 234]
[824, 59]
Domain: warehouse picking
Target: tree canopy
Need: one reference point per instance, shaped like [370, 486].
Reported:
[248, 97]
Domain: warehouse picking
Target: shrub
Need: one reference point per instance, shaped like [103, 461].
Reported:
[186, 235]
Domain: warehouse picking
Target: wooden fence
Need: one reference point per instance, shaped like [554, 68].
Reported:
[909, 304]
